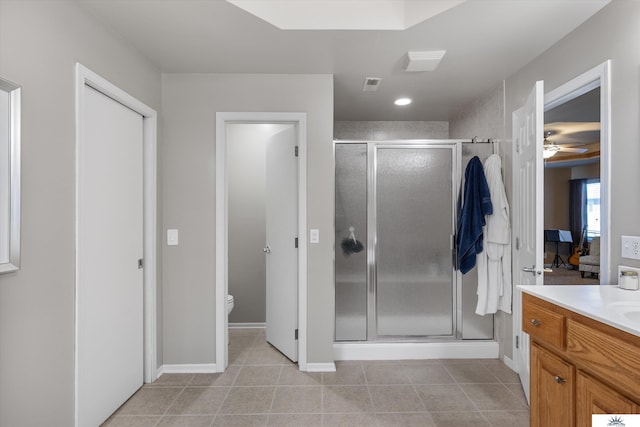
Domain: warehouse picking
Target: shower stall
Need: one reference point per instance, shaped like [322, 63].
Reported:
[397, 202]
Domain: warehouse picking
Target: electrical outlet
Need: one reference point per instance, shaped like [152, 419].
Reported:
[631, 247]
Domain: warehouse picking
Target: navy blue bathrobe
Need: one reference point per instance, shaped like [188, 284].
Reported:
[471, 219]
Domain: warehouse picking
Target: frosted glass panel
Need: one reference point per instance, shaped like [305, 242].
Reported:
[413, 253]
[351, 267]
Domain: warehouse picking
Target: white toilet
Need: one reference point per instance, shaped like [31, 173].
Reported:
[229, 304]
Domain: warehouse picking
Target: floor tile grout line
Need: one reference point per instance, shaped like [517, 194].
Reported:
[275, 391]
[171, 404]
[415, 390]
[516, 395]
[366, 383]
[470, 399]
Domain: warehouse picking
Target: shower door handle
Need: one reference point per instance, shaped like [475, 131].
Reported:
[532, 270]
[266, 250]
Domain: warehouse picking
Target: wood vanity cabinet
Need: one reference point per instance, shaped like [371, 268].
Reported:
[579, 366]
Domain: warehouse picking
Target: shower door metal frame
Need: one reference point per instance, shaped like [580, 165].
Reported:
[372, 244]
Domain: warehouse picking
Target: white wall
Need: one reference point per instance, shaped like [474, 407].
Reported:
[189, 105]
[40, 42]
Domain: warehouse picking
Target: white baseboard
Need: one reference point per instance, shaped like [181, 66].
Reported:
[321, 367]
[405, 351]
[204, 368]
[247, 325]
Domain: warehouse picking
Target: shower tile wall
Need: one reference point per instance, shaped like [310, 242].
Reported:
[482, 118]
[387, 130]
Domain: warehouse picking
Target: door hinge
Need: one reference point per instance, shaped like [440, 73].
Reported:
[296, 243]
[140, 263]
[296, 151]
[517, 243]
[296, 334]
[517, 341]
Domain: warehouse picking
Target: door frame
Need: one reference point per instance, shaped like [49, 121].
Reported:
[599, 75]
[585, 82]
[222, 247]
[87, 78]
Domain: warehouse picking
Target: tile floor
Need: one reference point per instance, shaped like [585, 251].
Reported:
[263, 388]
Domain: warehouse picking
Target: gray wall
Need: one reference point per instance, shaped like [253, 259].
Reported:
[556, 201]
[189, 104]
[586, 172]
[613, 33]
[484, 118]
[246, 157]
[556, 208]
[40, 42]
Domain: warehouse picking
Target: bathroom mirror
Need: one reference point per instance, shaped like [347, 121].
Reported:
[9, 176]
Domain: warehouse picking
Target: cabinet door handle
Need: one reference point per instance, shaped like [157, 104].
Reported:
[536, 322]
[559, 379]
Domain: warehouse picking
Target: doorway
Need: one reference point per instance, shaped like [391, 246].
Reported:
[291, 342]
[262, 230]
[115, 247]
[572, 188]
[577, 189]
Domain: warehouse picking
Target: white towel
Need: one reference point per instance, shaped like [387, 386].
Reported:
[494, 263]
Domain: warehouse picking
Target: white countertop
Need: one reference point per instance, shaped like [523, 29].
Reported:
[607, 304]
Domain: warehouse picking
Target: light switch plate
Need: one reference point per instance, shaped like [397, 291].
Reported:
[172, 237]
[631, 247]
[314, 235]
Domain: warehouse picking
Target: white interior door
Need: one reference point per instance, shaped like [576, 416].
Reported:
[528, 215]
[281, 250]
[109, 318]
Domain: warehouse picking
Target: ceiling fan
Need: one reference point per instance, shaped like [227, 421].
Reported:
[551, 148]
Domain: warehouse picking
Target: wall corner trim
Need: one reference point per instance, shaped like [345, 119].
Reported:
[509, 362]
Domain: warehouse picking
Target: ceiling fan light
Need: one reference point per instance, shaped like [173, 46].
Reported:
[549, 153]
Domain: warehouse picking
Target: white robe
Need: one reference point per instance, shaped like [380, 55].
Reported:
[494, 263]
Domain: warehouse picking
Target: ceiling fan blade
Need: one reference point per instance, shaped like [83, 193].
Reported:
[572, 150]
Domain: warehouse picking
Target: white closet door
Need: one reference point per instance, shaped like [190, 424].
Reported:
[109, 317]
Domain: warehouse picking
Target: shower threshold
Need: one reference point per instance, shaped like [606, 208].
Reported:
[399, 350]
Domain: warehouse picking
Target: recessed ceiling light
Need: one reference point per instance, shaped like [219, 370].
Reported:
[402, 101]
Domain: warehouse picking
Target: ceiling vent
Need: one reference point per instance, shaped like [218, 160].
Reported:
[424, 60]
[371, 84]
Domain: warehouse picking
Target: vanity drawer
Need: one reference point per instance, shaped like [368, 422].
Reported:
[542, 324]
[607, 355]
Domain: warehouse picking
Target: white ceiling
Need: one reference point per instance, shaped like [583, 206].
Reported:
[486, 41]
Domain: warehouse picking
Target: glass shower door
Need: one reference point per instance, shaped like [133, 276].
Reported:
[351, 266]
[414, 201]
